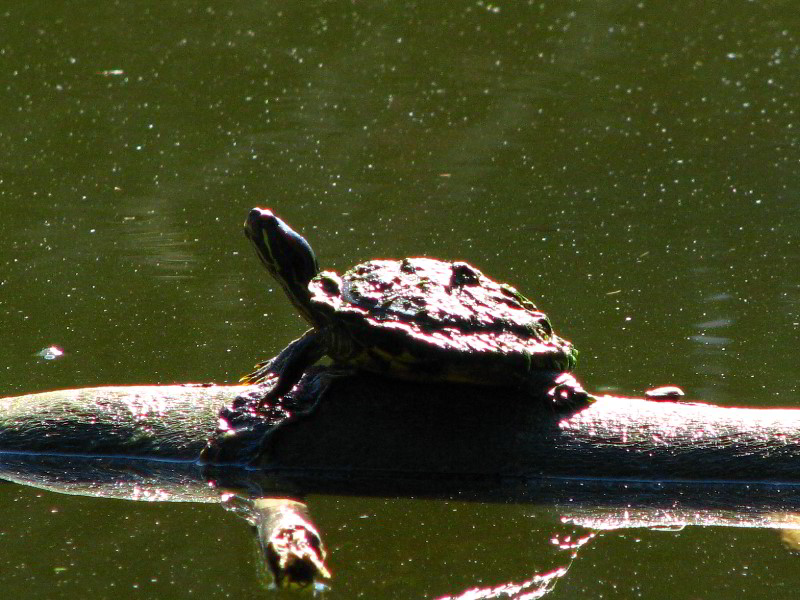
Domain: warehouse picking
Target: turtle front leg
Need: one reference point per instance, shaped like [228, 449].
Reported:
[289, 365]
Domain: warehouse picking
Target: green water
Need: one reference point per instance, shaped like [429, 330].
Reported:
[631, 166]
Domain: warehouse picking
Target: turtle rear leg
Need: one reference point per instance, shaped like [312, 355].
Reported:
[289, 365]
[561, 391]
[568, 394]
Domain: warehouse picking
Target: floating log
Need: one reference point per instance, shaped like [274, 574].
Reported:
[172, 421]
[373, 425]
[379, 427]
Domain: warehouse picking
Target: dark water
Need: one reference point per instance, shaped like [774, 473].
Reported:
[631, 166]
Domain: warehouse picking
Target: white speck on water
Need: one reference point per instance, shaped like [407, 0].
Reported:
[50, 353]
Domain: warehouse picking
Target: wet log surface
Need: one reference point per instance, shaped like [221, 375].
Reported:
[376, 427]
[171, 421]
[451, 430]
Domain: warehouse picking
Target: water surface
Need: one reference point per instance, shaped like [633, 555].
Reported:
[632, 167]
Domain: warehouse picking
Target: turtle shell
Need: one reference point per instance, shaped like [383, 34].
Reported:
[427, 318]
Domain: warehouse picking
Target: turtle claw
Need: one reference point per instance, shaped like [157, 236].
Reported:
[262, 374]
[568, 394]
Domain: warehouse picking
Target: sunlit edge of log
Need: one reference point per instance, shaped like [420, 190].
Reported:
[170, 422]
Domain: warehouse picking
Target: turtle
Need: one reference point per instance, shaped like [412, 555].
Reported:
[420, 319]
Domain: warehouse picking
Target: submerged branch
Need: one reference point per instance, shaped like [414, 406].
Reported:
[291, 544]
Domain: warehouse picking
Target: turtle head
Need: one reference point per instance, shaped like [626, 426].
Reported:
[286, 255]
